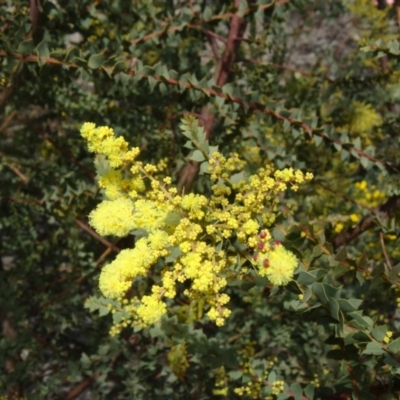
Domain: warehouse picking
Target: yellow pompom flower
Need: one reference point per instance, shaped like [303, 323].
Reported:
[278, 265]
[111, 283]
[111, 182]
[193, 202]
[113, 217]
[148, 215]
[158, 240]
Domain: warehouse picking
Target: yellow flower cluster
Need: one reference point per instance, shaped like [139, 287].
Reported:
[388, 337]
[278, 387]
[368, 196]
[185, 234]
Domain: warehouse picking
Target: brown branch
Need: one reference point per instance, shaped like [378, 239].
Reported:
[81, 387]
[16, 171]
[211, 92]
[92, 233]
[384, 211]
[237, 27]
[8, 119]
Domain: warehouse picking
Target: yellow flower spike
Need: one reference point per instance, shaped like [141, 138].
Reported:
[232, 209]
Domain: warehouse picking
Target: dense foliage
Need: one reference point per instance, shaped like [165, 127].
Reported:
[236, 233]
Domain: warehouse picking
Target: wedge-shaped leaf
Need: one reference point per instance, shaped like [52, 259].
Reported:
[334, 308]
[197, 156]
[95, 61]
[367, 164]
[344, 155]
[356, 338]
[309, 391]
[26, 47]
[379, 332]
[296, 390]
[42, 49]
[341, 255]
[305, 278]
[204, 168]
[394, 347]
[173, 218]
[152, 82]
[349, 305]
[373, 348]
[162, 87]
[318, 140]
[103, 310]
[324, 291]
[317, 251]
[238, 177]
[235, 375]
[204, 147]
[228, 88]
[364, 322]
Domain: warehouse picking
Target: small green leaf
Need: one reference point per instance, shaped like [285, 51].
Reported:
[95, 61]
[235, 375]
[317, 251]
[324, 291]
[364, 322]
[243, 6]
[236, 178]
[373, 348]
[297, 390]
[379, 332]
[349, 305]
[305, 278]
[152, 82]
[204, 168]
[103, 311]
[309, 391]
[25, 47]
[42, 49]
[334, 308]
[341, 255]
[365, 163]
[318, 140]
[394, 347]
[197, 156]
[85, 360]
[173, 218]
